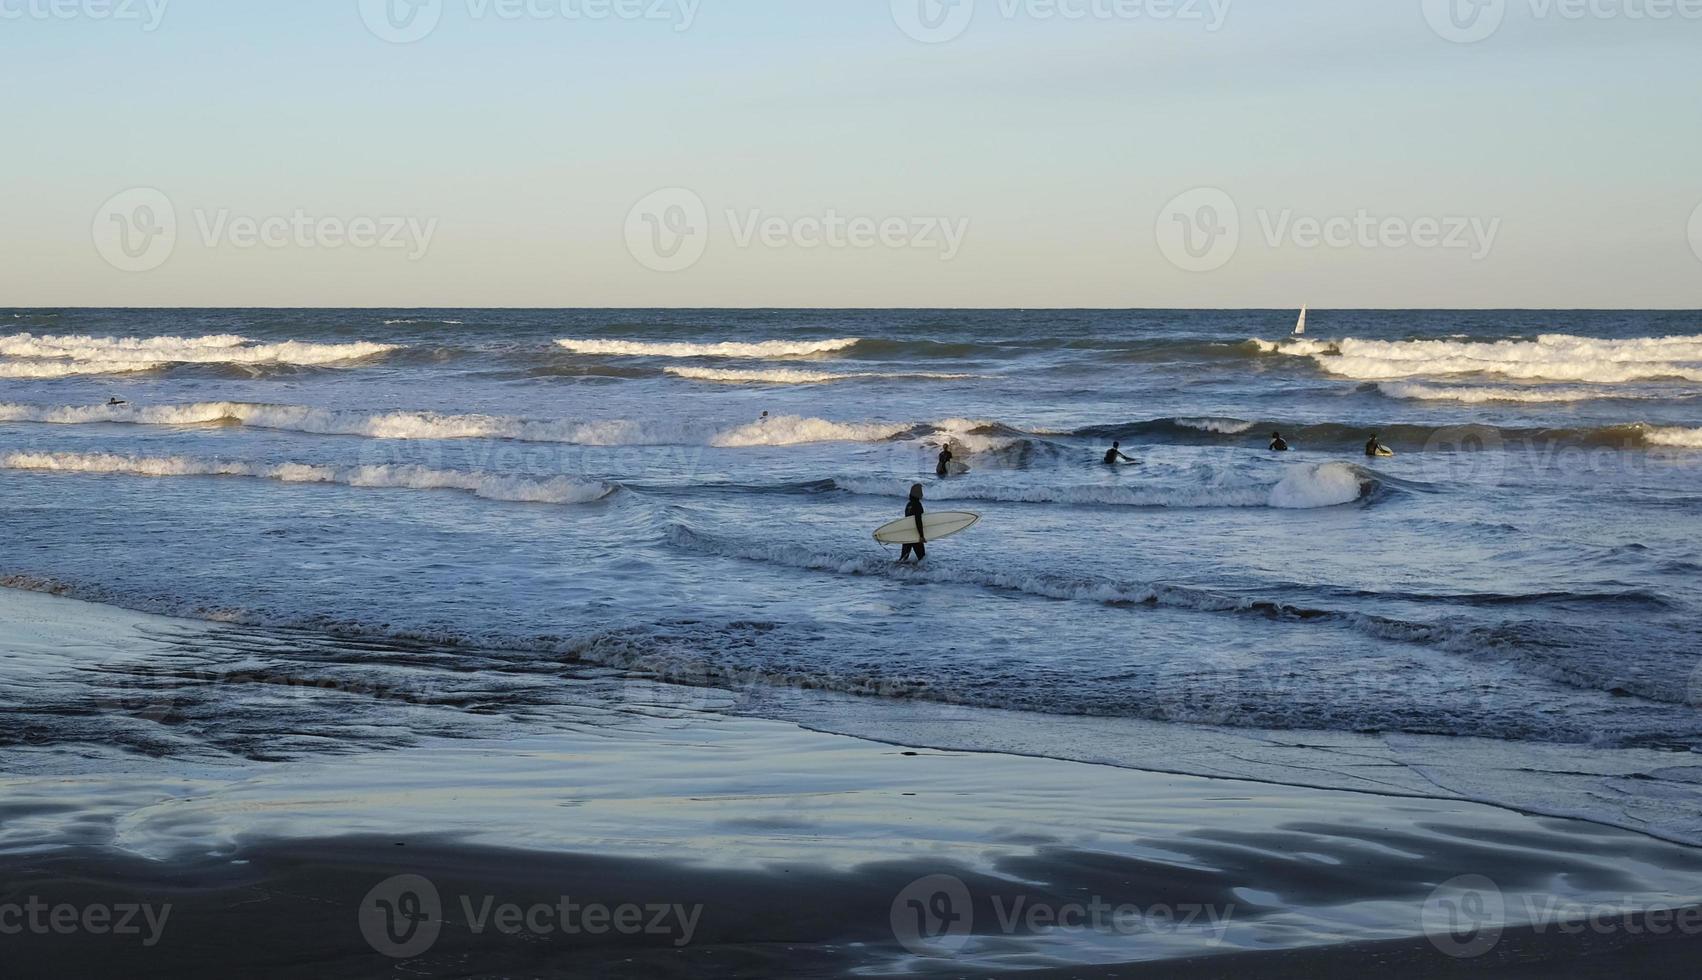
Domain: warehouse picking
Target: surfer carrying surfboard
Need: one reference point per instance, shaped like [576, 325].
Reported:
[944, 469]
[1374, 448]
[914, 509]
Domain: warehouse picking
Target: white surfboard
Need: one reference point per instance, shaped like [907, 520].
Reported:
[939, 525]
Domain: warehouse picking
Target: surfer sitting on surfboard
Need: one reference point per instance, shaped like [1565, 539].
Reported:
[914, 509]
[1114, 454]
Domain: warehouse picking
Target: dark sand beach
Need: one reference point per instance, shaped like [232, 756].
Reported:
[644, 835]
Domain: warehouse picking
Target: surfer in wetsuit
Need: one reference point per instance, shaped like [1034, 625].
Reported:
[1278, 444]
[944, 469]
[914, 509]
[1114, 454]
[116, 401]
[1375, 448]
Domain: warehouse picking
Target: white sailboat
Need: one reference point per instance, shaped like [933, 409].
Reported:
[1300, 328]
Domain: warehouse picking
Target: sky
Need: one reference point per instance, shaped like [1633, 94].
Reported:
[851, 153]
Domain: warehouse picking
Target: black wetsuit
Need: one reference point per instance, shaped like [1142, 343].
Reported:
[1373, 448]
[914, 509]
[1113, 455]
[1279, 446]
[944, 469]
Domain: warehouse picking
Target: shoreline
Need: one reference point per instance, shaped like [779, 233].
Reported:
[806, 852]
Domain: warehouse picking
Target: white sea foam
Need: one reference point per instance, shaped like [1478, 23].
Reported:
[73, 369]
[764, 350]
[1551, 357]
[550, 490]
[775, 431]
[1417, 391]
[795, 377]
[1325, 485]
[791, 430]
[1229, 427]
[32, 356]
[1685, 438]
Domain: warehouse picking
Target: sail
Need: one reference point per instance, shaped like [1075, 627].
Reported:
[1300, 328]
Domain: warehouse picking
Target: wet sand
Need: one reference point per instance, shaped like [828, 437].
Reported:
[683, 842]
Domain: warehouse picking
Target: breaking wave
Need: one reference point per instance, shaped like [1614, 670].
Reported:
[32, 356]
[518, 489]
[1302, 488]
[1550, 357]
[775, 431]
[763, 350]
[1474, 395]
[1684, 438]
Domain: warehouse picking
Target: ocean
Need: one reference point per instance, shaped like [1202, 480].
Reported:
[453, 508]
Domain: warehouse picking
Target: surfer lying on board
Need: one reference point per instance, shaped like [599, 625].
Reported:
[1278, 444]
[1114, 454]
[944, 469]
[914, 509]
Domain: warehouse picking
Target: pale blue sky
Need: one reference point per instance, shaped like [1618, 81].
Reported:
[1055, 145]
